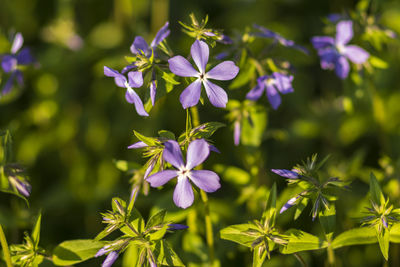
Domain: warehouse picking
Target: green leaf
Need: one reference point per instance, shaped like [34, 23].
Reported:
[167, 134]
[158, 234]
[247, 72]
[259, 255]
[375, 190]
[383, 240]
[36, 231]
[156, 219]
[269, 213]
[243, 234]
[165, 255]
[377, 62]
[395, 233]
[327, 218]
[75, 251]
[131, 256]
[169, 78]
[233, 174]
[253, 128]
[136, 220]
[357, 236]
[150, 141]
[206, 130]
[300, 207]
[302, 241]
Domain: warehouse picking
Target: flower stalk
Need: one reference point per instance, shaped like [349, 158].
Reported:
[207, 217]
[6, 251]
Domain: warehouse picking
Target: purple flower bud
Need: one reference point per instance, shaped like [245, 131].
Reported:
[289, 204]
[23, 187]
[384, 221]
[110, 259]
[174, 227]
[286, 173]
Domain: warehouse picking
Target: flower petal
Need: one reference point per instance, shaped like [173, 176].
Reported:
[328, 58]
[273, 96]
[283, 82]
[322, 42]
[139, 144]
[255, 93]
[8, 85]
[224, 71]
[135, 79]
[344, 32]
[161, 35]
[342, 67]
[139, 44]
[197, 153]
[286, 173]
[181, 67]
[289, 204]
[216, 94]
[205, 180]
[17, 43]
[356, 54]
[161, 178]
[191, 95]
[183, 193]
[132, 98]
[200, 53]
[24, 57]
[110, 259]
[119, 79]
[9, 63]
[172, 154]
[153, 90]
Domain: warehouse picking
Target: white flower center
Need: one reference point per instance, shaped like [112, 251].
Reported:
[270, 81]
[340, 48]
[183, 172]
[202, 76]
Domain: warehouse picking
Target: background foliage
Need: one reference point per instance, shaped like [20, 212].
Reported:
[70, 123]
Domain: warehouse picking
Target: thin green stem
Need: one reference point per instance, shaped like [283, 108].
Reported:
[207, 217]
[300, 259]
[6, 251]
[331, 256]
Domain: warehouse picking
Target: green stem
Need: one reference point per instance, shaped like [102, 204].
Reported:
[331, 256]
[6, 252]
[207, 217]
[300, 259]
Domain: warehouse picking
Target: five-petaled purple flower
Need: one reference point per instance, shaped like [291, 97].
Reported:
[224, 71]
[266, 33]
[135, 80]
[272, 84]
[198, 151]
[10, 62]
[334, 52]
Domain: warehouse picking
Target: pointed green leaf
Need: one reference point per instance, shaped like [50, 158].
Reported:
[167, 134]
[357, 236]
[259, 255]
[269, 213]
[206, 130]
[169, 78]
[302, 241]
[395, 233]
[300, 207]
[75, 251]
[383, 239]
[150, 141]
[36, 230]
[327, 218]
[165, 255]
[243, 234]
[156, 219]
[375, 190]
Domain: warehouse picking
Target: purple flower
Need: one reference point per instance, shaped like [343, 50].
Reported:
[23, 187]
[198, 151]
[175, 226]
[135, 80]
[10, 62]
[266, 33]
[236, 133]
[139, 45]
[334, 52]
[111, 257]
[272, 84]
[224, 71]
[286, 173]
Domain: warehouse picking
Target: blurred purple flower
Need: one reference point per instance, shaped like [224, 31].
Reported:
[289, 204]
[10, 62]
[23, 187]
[266, 33]
[236, 132]
[272, 84]
[224, 71]
[111, 257]
[334, 52]
[175, 226]
[198, 151]
[135, 80]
